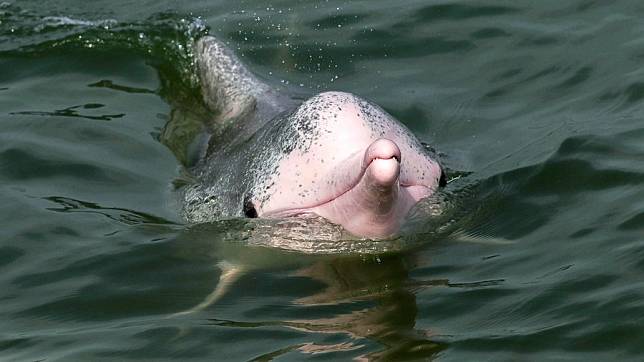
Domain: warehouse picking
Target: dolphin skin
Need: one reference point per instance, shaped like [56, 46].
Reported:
[334, 155]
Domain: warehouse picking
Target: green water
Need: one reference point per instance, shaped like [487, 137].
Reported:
[542, 101]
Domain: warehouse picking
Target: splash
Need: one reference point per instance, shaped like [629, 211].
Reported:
[164, 38]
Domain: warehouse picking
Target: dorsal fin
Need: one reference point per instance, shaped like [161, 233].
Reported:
[229, 89]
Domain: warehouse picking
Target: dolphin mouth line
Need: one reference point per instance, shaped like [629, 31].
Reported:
[283, 213]
[290, 212]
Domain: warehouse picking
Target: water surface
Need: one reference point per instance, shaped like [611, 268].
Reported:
[541, 102]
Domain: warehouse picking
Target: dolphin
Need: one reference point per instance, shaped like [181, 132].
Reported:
[270, 155]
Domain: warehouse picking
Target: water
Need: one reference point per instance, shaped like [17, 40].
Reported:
[542, 102]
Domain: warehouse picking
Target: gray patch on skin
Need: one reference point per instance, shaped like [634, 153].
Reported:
[242, 165]
[241, 105]
[229, 89]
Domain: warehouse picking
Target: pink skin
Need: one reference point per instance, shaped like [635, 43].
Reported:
[371, 191]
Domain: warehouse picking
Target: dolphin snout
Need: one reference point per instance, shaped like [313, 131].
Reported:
[382, 148]
[384, 173]
[383, 158]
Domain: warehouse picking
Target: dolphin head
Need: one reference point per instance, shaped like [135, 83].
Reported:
[350, 162]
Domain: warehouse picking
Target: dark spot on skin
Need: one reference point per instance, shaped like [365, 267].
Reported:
[249, 209]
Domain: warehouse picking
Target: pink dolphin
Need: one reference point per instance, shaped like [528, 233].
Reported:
[335, 155]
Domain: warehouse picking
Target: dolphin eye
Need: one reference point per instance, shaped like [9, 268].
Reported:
[442, 181]
[249, 209]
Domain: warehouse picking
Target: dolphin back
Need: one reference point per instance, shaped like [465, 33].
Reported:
[229, 89]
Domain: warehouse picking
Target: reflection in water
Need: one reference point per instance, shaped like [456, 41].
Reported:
[376, 301]
[390, 316]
